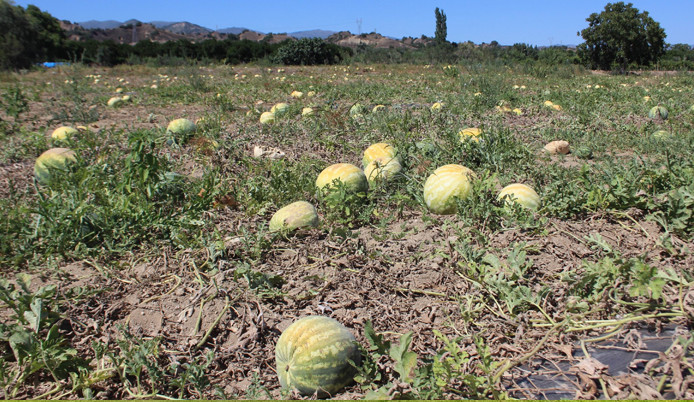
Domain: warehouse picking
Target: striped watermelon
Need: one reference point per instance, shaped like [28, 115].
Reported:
[63, 133]
[447, 184]
[294, 216]
[521, 194]
[267, 117]
[352, 177]
[379, 150]
[279, 108]
[53, 162]
[382, 169]
[313, 354]
[658, 112]
[470, 133]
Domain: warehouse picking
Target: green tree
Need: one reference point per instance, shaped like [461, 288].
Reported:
[28, 36]
[50, 37]
[307, 51]
[621, 36]
[441, 29]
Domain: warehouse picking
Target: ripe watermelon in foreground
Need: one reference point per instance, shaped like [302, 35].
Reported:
[351, 176]
[313, 355]
[53, 162]
[520, 194]
[445, 186]
[296, 215]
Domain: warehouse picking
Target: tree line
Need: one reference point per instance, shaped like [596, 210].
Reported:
[30, 36]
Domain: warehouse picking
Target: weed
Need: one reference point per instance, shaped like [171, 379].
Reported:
[405, 376]
[15, 102]
[33, 335]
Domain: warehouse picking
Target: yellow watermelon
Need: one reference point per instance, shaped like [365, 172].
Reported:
[445, 186]
[63, 133]
[351, 176]
[379, 150]
[521, 194]
[470, 133]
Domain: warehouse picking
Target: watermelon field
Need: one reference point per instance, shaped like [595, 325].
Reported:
[141, 260]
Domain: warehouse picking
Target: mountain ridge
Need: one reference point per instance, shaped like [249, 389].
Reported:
[188, 28]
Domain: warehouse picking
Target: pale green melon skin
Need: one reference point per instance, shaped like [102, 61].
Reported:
[661, 134]
[357, 110]
[279, 108]
[181, 126]
[445, 186]
[267, 117]
[312, 355]
[63, 133]
[300, 214]
[382, 169]
[53, 162]
[352, 177]
[658, 112]
[520, 194]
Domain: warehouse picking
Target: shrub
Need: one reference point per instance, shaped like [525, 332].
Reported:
[308, 51]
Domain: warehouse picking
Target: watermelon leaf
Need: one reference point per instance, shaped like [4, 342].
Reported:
[405, 360]
[378, 344]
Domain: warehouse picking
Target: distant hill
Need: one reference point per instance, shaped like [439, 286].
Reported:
[314, 33]
[162, 31]
[186, 28]
[233, 30]
[348, 39]
[93, 24]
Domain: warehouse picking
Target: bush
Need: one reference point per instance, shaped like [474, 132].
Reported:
[308, 51]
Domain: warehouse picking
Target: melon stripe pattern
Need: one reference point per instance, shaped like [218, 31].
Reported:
[522, 194]
[352, 177]
[379, 150]
[295, 215]
[444, 186]
[53, 162]
[312, 356]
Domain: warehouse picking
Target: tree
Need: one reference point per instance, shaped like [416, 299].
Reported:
[28, 36]
[621, 36]
[441, 29]
[307, 51]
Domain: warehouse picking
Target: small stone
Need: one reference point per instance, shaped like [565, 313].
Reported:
[271, 153]
[557, 147]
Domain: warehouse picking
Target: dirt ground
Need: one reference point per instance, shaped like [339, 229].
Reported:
[410, 281]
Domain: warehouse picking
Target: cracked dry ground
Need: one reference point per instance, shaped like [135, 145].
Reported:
[406, 276]
[410, 282]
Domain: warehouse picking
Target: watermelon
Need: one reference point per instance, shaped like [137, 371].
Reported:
[267, 118]
[52, 163]
[445, 186]
[181, 126]
[279, 108]
[296, 215]
[376, 151]
[115, 101]
[383, 169]
[470, 133]
[351, 176]
[520, 194]
[313, 354]
[658, 112]
[63, 133]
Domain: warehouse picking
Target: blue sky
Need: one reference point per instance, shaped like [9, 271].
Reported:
[537, 22]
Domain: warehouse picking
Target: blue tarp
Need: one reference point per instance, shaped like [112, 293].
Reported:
[51, 64]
